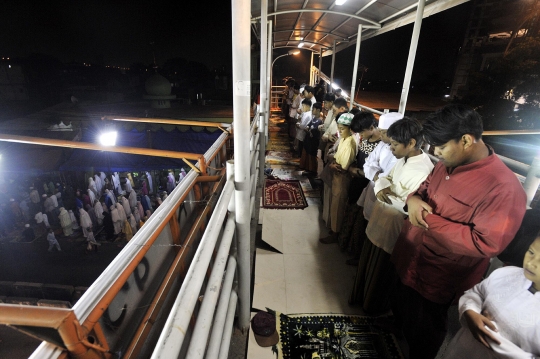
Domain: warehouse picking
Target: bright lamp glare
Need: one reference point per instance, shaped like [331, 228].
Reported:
[294, 52]
[108, 138]
[340, 2]
[334, 86]
[301, 44]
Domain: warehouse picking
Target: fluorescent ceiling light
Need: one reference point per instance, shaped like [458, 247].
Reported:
[294, 52]
[335, 86]
[301, 44]
[340, 2]
[108, 138]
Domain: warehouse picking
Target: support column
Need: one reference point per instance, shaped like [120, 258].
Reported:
[412, 55]
[241, 48]
[263, 90]
[320, 62]
[269, 76]
[332, 70]
[311, 71]
[355, 68]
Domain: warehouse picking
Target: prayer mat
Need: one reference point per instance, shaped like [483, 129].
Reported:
[283, 195]
[334, 336]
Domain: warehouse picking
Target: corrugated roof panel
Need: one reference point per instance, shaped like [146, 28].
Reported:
[305, 16]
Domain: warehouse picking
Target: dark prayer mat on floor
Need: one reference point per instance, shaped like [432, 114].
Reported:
[279, 194]
[334, 336]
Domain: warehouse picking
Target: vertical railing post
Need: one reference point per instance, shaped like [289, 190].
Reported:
[355, 68]
[264, 90]
[241, 48]
[320, 62]
[412, 56]
[269, 75]
[532, 180]
[332, 69]
[311, 71]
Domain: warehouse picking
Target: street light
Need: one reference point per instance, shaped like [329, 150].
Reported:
[108, 138]
[291, 52]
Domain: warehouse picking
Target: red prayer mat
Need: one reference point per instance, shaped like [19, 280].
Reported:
[283, 195]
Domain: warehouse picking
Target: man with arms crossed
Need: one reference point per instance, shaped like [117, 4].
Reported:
[466, 212]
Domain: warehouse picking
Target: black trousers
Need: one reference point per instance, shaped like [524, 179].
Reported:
[423, 322]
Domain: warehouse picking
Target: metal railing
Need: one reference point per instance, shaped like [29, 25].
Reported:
[275, 97]
[210, 337]
[123, 308]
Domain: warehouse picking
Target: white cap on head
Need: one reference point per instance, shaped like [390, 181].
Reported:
[31, 187]
[12, 200]
[386, 120]
[27, 225]
[44, 195]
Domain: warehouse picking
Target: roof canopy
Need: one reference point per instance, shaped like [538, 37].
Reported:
[318, 23]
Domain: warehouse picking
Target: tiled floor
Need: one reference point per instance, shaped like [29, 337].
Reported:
[307, 277]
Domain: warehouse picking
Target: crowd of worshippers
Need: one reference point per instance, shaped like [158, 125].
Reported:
[422, 234]
[110, 204]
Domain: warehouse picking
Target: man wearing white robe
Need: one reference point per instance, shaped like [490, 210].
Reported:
[99, 184]
[150, 183]
[86, 222]
[121, 214]
[65, 222]
[74, 223]
[116, 220]
[132, 199]
[116, 182]
[92, 186]
[127, 207]
[98, 209]
[91, 195]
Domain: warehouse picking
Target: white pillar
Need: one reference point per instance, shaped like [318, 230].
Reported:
[263, 90]
[241, 51]
[412, 55]
[332, 70]
[355, 69]
[311, 71]
[269, 75]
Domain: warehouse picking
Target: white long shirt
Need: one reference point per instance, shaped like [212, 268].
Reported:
[301, 131]
[404, 178]
[381, 159]
[328, 120]
[515, 312]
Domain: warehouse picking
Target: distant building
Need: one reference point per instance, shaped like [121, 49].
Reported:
[493, 24]
[13, 84]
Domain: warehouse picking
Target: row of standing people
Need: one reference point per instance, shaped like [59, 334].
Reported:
[419, 234]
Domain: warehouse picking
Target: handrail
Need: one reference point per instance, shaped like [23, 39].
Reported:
[175, 329]
[91, 306]
[166, 121]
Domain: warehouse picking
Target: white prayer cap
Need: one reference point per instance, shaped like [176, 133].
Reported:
[386, 120]
[12, 200]
[31, 187]
[27, 225]
[44, 195]
[58, 184]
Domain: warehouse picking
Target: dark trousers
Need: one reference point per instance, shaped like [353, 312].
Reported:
[424, 323]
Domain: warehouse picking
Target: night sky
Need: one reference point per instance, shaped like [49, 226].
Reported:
[120, 33]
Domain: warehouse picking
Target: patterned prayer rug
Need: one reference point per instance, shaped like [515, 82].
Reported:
[283, 195]
[334, 336]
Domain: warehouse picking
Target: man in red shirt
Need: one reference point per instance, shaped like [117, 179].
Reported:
[466, 212]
